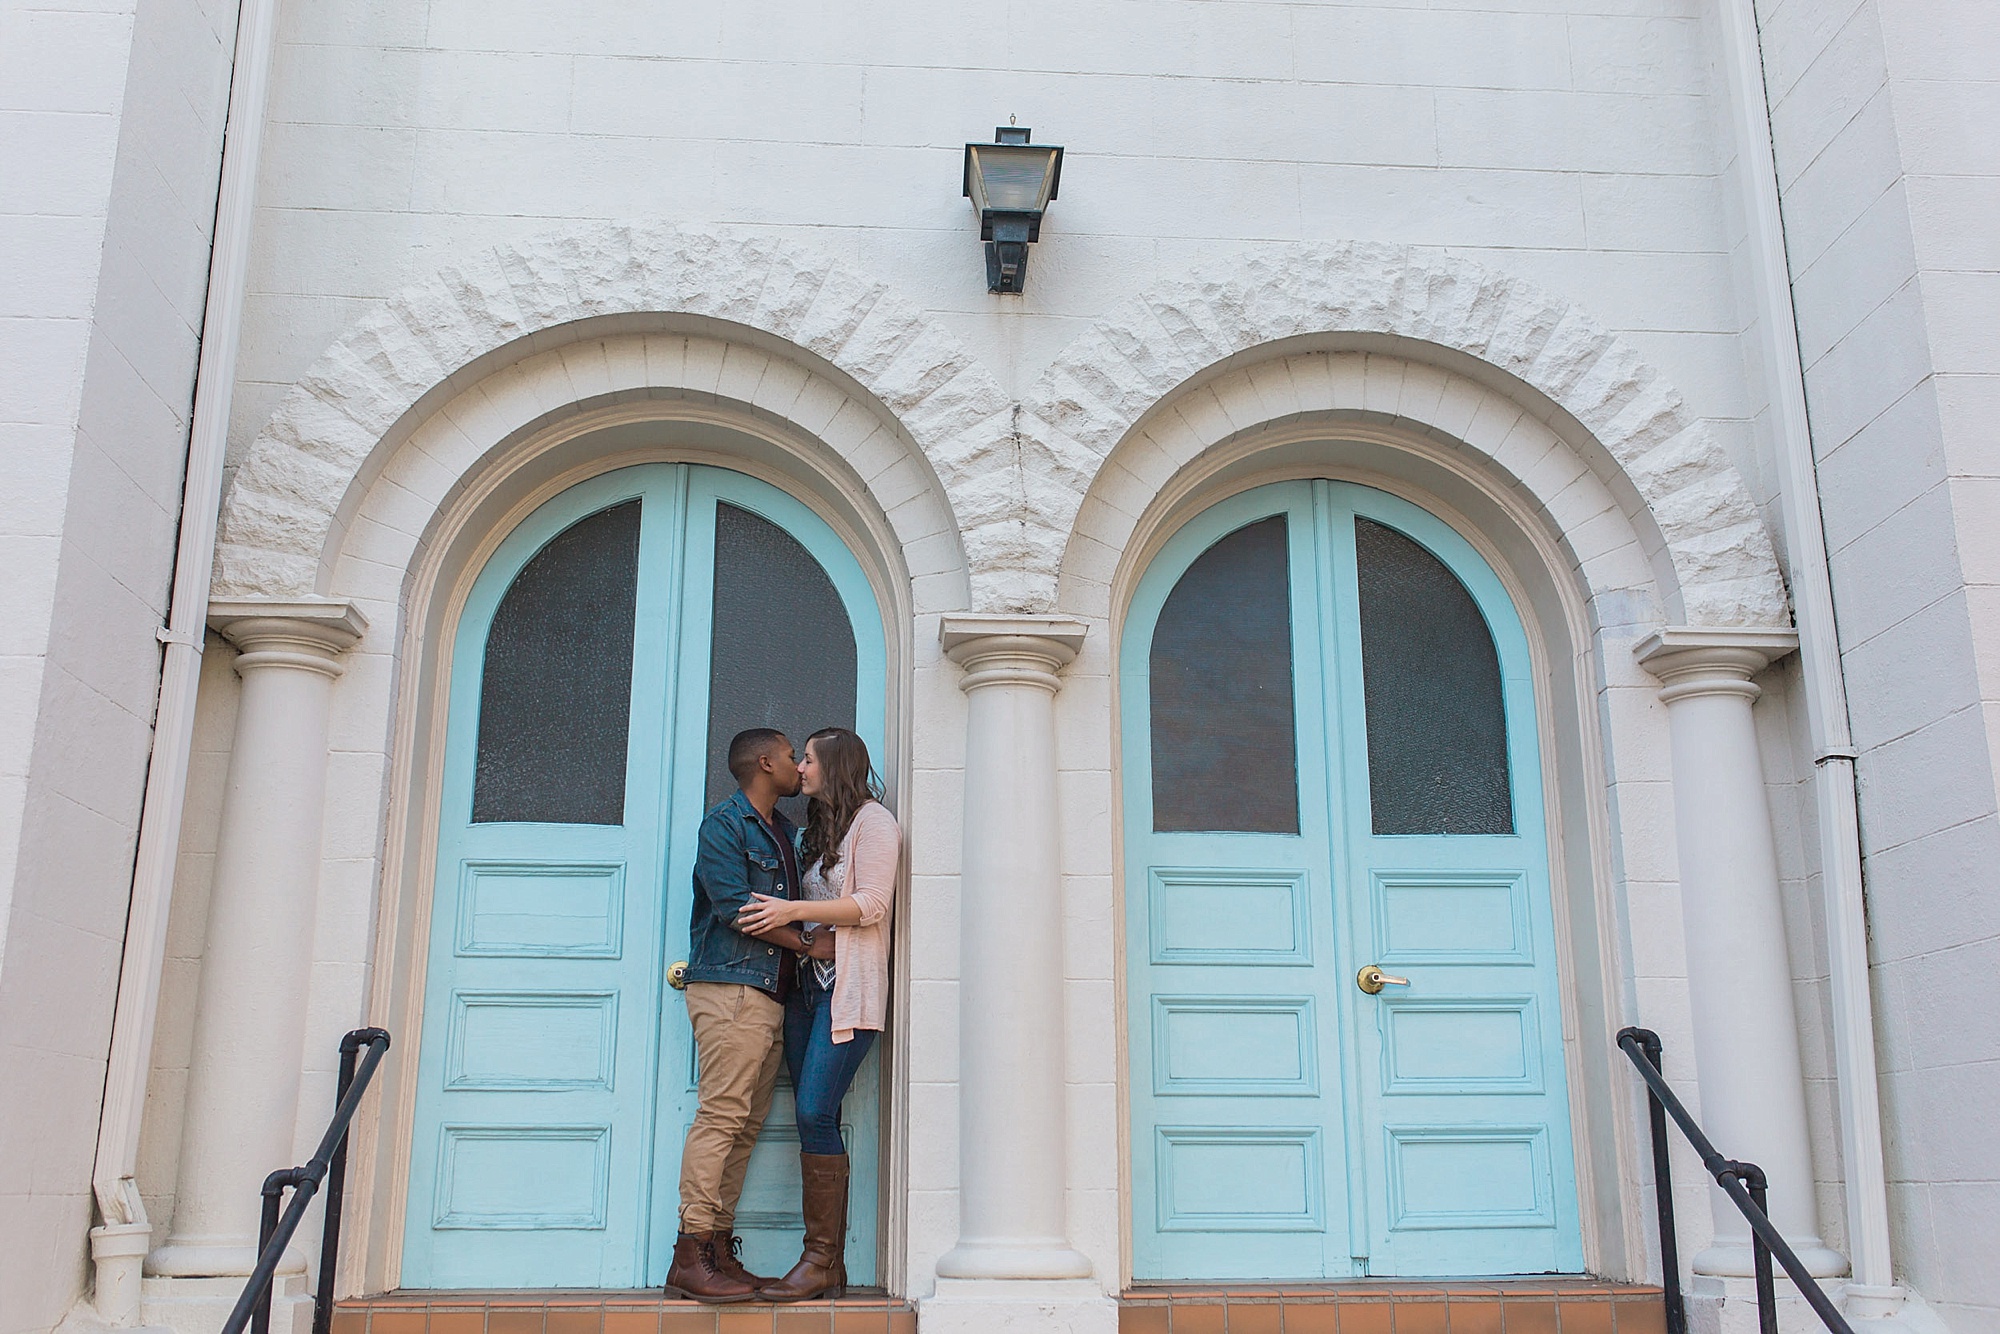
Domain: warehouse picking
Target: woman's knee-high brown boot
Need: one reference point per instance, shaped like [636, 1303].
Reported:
[822, 1268]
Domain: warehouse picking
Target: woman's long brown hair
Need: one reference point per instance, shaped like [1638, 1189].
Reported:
[847, 783]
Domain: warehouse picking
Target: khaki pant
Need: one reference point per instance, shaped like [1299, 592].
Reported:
[739, 1035]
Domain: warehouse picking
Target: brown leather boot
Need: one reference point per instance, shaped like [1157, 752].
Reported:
[822, 1268]
[697, 1273]
[729, 1258]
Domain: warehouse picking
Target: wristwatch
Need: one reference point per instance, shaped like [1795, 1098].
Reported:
[806, 936]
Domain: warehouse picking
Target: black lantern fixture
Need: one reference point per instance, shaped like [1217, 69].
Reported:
[1010, 181]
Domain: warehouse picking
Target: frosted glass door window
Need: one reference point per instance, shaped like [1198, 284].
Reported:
[555, 694]
[1225, 755]
[782, 651]
[1437, 725]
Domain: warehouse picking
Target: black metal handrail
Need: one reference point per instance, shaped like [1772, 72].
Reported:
[1746, 1187]
[274, 1232]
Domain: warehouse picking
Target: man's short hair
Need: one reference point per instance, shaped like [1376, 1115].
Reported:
[748, 747]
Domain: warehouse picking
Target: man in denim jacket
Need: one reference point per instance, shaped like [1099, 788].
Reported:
[735, 999]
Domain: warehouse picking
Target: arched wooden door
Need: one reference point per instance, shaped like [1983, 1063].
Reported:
[611, 646]
[1331, 761]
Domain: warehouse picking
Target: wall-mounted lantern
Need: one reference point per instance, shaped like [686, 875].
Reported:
[1010, 181]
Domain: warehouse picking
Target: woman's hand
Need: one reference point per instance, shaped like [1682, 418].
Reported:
[763, 913]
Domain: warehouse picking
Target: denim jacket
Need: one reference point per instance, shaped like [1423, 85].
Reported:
[736, 858]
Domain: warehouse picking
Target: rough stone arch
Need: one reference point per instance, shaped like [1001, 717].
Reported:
[381, 378]
[1720, 566]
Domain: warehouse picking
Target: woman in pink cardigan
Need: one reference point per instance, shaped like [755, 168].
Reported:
[850, 851]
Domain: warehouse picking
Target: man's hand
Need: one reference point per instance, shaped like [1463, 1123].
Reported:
[822, 946]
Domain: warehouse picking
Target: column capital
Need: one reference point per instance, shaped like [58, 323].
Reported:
[1712, 660]
[307, 633]
[1011, 650]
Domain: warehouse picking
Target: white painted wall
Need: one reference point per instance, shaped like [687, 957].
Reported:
[1882, 114]
[110, 129]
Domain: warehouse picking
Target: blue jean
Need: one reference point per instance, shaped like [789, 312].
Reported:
[821, 1068]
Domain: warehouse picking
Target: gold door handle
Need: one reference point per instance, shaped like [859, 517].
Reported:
[1372, 979]
[677, 976]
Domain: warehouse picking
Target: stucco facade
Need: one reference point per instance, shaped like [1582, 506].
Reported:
[1512, 264]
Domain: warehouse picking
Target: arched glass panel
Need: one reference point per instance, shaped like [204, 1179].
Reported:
[555, 695]
[783, 647]
[1437, 726]
[1225, 750]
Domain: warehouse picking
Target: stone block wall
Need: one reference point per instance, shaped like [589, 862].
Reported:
[110, 134]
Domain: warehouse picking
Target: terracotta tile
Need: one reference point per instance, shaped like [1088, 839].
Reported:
[1147, 1318]
[1312, 1318]
[1529, 1315]
[350, 1320]
[588, 1320]
[687, 1318]
[903, 1321]
[755, 1320]
[1366, 1317]
[810, 1318]
[1475, 1315]
[1198, 1317]
[618, 1321]
[396, 1322]
[458, 1322]
[1421, 1315]
[1256, 1318]
[1644, 1315]
[869, 1320]
[1590, 1316]
[515, 1320]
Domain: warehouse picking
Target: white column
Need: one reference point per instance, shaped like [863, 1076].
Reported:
[243, 1088]
[1013, 1265]
[1746, 1035]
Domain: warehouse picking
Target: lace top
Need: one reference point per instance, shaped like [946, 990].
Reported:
[818, 888]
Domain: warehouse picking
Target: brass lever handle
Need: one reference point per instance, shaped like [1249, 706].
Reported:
[1372, 979]
[677, 976]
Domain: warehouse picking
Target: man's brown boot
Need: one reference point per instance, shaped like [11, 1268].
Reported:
[698, 1274]
[729, 1258]
[822, 1269]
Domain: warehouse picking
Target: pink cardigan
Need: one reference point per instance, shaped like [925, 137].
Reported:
[869, 857]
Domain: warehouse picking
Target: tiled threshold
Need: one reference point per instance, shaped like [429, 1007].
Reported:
[1392, 1306]
[625, 1312]
[1382, 1306]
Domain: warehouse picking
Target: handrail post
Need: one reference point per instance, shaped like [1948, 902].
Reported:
[336, 1185]
[275, 1186]
[1752, 1177]
[1663, 1184]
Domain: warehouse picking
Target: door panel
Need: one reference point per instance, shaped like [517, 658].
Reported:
[555, 1079]
[1287, 1125]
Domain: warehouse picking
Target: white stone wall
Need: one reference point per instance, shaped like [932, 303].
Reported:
[110, 130]
[1568, 141]
[1890, 189]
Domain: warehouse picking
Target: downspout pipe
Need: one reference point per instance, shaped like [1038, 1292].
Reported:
[1872, 1292]
[120, 1242]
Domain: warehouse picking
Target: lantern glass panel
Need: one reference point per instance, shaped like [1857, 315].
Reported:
[1012, 178]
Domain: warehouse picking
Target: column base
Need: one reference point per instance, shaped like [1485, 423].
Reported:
[1718, 1305]
[1734, 1259]
[201, 1305]
[1017, 1306]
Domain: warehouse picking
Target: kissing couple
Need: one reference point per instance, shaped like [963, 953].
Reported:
[789, 960]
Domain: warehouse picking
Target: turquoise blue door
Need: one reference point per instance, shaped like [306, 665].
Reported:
[1332, 762]
[610, 640]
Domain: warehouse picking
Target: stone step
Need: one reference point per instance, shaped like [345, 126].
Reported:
[1393, 1306]
[623, 1312]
